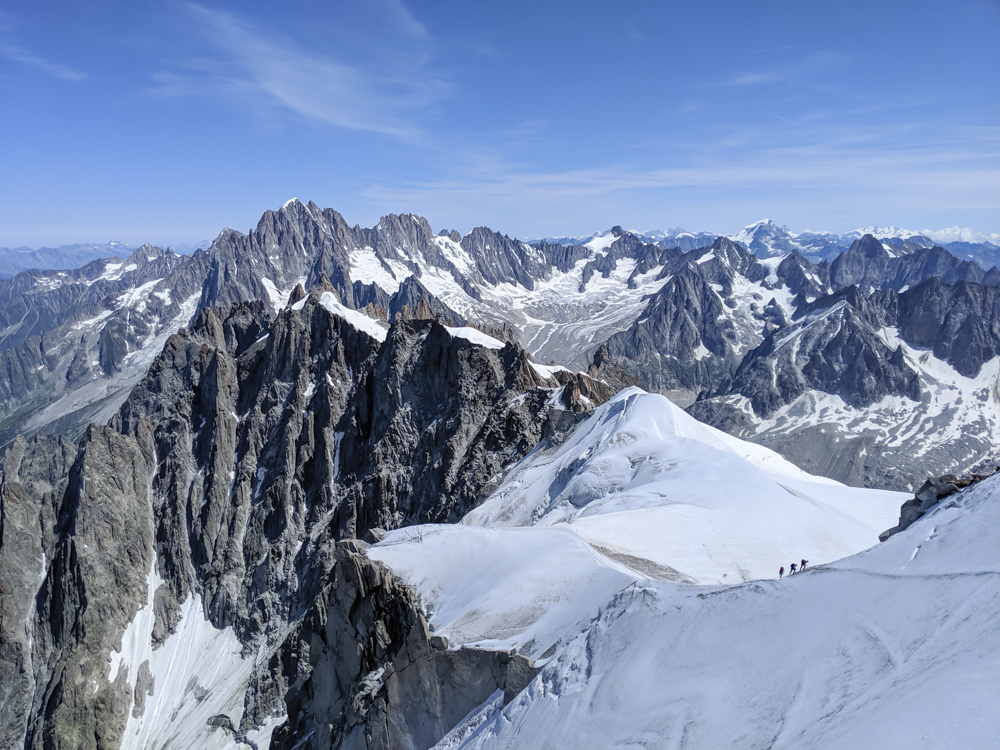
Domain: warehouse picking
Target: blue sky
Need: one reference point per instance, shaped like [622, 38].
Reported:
[166, 121]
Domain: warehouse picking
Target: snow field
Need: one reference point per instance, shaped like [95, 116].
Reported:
[638, 492]
[198, 672]
[475, 336]
[880, 650]
[362, 322]
[642, 478]
[501, 588]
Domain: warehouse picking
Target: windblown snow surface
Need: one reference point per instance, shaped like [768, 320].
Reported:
[616, 560]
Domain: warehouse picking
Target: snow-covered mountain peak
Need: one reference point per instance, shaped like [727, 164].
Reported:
[762, 224]
[766, 239]
[642, 477]
[881, 233]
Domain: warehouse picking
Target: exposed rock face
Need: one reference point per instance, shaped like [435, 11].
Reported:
[927, 497]
[805, 280]
[86, 528]
[250, 449]
[905, 415]
[35, 477]
[959, 322]
[836, 347]
[662, 348]
[375, 676]
[414, 301]
[868, 265]
[716, 304]
[834, 351]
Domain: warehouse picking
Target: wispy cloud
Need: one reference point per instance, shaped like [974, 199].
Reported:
[774, 49]
[53, 69]
[879, 174]
[399, 15]
[247, 63]
[807, 67]
[753, 79]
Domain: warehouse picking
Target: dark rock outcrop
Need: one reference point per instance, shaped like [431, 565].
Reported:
[868, 265]
[375, 677]
[931, 492]
[834, 351]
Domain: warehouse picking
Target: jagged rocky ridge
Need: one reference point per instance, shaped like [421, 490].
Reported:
[233, 491]
[73, 343]
[911, 379]
[720, 303]
[682, 321]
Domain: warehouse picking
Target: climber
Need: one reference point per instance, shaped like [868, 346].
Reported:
[781, 571]
[803, 565]
[791, 569]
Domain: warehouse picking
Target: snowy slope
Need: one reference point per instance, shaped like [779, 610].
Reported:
[896, 647]
[639, 491]
[502, 588]
[376, 329]
[199, 672]
[643, 478]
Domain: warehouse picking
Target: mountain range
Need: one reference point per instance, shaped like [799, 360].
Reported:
[798, 355]
[766, 239]
[326, 486]
[14, 260]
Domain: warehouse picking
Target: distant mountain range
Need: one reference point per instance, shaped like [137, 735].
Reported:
[768, 240]
[13, 260]
[763, 238]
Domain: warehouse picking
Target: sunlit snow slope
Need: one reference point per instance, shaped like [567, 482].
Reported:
[643, 478]
[896, 647]
[639, 490]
